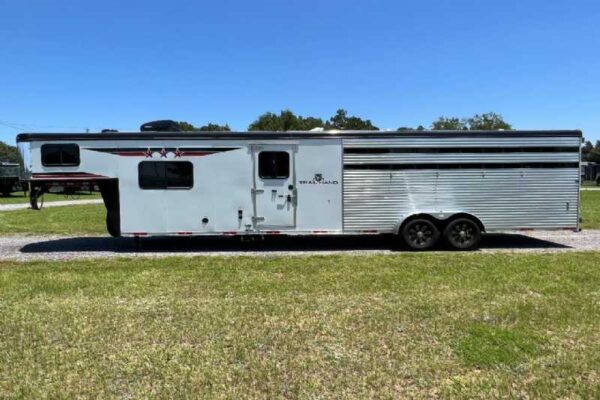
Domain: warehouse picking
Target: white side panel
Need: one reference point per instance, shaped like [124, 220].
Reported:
[226, 185]
[223, 186]
[141, 210]
[91, 162]
[222, 183]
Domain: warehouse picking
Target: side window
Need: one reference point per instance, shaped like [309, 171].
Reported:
[58, 155]
[166, 175]
[273, 164]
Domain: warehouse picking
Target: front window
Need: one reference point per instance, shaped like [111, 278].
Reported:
[60, 155]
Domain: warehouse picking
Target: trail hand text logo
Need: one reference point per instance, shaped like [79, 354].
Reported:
[318, 180]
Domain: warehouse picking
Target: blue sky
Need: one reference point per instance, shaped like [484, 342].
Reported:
[71, 65]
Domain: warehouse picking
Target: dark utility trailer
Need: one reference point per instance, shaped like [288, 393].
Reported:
[10, 178]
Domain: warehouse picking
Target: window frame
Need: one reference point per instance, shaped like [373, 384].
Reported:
[166, 187]
[60, 147]
[274, 177]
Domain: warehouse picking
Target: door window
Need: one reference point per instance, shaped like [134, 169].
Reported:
[274, 164]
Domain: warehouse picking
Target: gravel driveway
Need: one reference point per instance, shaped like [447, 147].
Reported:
[65, 247]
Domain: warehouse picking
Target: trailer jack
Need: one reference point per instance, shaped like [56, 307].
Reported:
[36, 198]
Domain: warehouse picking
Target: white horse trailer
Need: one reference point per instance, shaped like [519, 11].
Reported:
[422, 186]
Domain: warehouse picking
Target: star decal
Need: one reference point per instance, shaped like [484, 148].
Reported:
[163, 153]
[148, 153]
[178, 153]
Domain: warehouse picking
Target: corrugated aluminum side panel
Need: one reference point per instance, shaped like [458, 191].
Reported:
[464, 142]
[425, 158]
[507, 198]
[503, 199]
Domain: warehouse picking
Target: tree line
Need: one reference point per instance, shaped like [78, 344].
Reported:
[9, 153]
[287, 120]
[590, 152]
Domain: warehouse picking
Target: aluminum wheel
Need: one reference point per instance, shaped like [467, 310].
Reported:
[420, 234]
[463, 234]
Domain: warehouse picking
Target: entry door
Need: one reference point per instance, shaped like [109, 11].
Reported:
[274, 192]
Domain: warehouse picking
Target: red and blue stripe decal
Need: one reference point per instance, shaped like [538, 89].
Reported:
[162, 152]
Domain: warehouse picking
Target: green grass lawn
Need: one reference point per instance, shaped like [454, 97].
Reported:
[18, 198]
[68, 220]
[590, 209]
[409, 325]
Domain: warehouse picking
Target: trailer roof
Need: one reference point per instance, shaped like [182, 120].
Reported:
[28, 137]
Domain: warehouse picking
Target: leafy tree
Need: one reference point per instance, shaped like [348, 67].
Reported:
[594, 154]
[285, 121]
[586, 149]
[215, 128]
[9, 153]
[187, 127]
[488, 122]
[266, 122]
[445, 123]
[484, 122]
[342, 121]
[407, 128]
[308, 123]
[289, 121]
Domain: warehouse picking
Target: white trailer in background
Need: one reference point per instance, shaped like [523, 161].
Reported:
[422, 186]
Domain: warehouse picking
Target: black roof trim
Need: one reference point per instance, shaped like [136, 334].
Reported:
[29, 137]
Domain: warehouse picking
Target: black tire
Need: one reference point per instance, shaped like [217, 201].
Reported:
[420, 234]
[462, 234]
